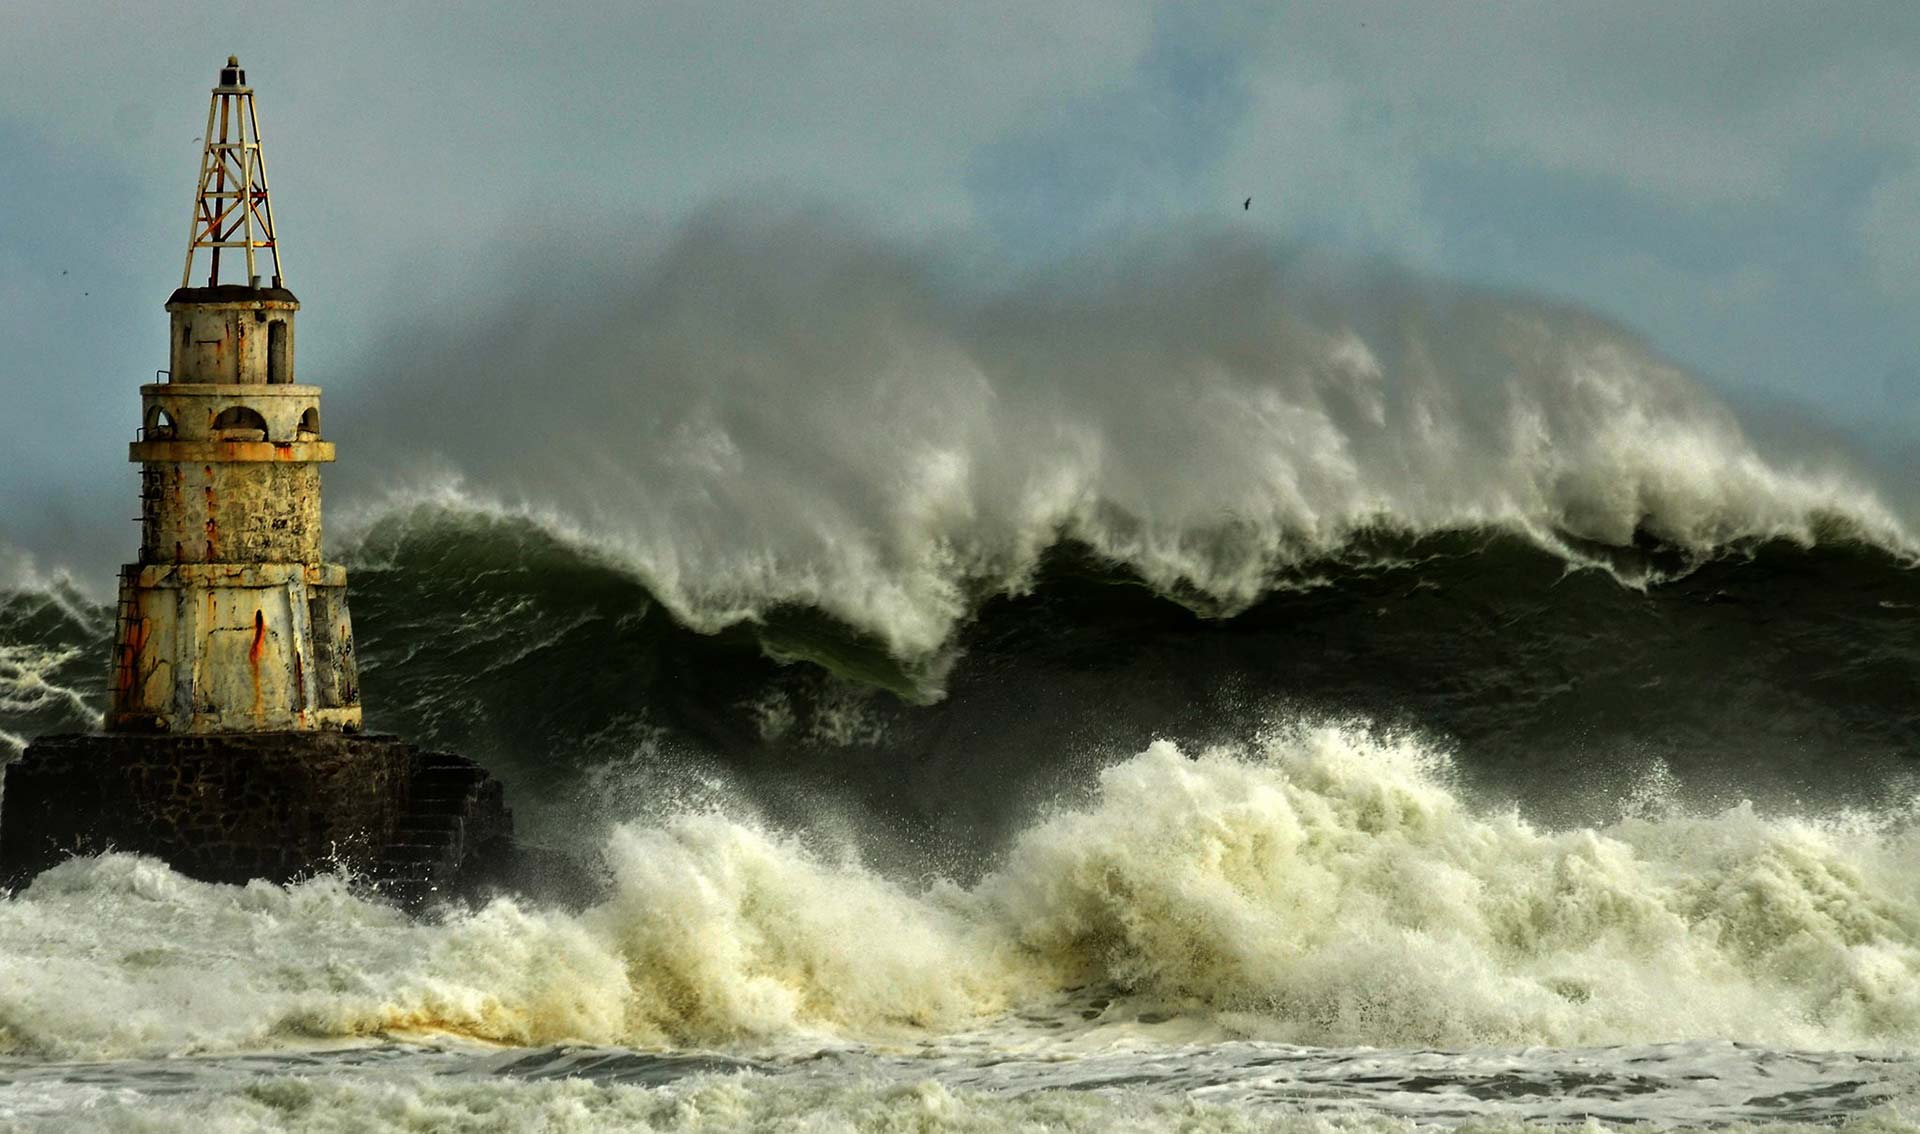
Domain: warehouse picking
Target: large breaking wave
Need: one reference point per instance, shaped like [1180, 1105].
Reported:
[789, 413]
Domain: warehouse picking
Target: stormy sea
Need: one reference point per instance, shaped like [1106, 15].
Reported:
[1236, 695]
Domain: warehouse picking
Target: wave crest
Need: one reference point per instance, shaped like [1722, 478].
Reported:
[789, 413]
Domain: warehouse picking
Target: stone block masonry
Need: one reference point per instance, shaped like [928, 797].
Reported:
[275, 806]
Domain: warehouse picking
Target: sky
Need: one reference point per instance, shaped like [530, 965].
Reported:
[1739, 182]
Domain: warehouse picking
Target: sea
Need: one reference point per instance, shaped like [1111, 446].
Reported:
[1213, 707]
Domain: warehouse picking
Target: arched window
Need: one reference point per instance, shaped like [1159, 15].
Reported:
[238, 423]
[310, 421]
[159, 425]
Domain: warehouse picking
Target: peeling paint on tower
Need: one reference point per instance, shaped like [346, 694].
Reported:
[216, 620]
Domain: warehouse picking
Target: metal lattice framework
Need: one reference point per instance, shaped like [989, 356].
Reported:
[231, 208]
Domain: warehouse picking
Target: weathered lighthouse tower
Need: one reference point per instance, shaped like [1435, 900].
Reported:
[232, 745]
[231, 621]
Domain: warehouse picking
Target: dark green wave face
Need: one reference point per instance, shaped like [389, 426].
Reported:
[1773, 672]
[54, 646]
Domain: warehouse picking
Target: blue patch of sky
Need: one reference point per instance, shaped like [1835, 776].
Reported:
[1810, 312]
[1108, 161]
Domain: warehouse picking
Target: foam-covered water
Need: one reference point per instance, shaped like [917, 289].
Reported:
[1326, 889]
[1225, 1087]
[1188, 927]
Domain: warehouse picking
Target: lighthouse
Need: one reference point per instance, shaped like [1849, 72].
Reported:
[231, 620]
[232, 744]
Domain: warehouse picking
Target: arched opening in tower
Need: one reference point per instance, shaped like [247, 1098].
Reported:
[239, 423]
[159, 425]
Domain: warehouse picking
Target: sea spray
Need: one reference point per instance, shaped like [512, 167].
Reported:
[1328, 886]
[788, 412]
[1333, 890]
[729, 933]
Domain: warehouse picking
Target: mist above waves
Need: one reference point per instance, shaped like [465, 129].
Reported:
[788, 409]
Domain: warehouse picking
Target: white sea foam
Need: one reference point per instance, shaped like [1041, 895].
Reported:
[718, 1105]
[1328, 888]
[788, 413]
[25, 685]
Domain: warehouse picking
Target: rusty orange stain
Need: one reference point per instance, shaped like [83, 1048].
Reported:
[132, 644]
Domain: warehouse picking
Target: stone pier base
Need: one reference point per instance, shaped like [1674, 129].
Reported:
[278, 806]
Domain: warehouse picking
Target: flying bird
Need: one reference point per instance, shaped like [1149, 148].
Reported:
[1247, 204]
